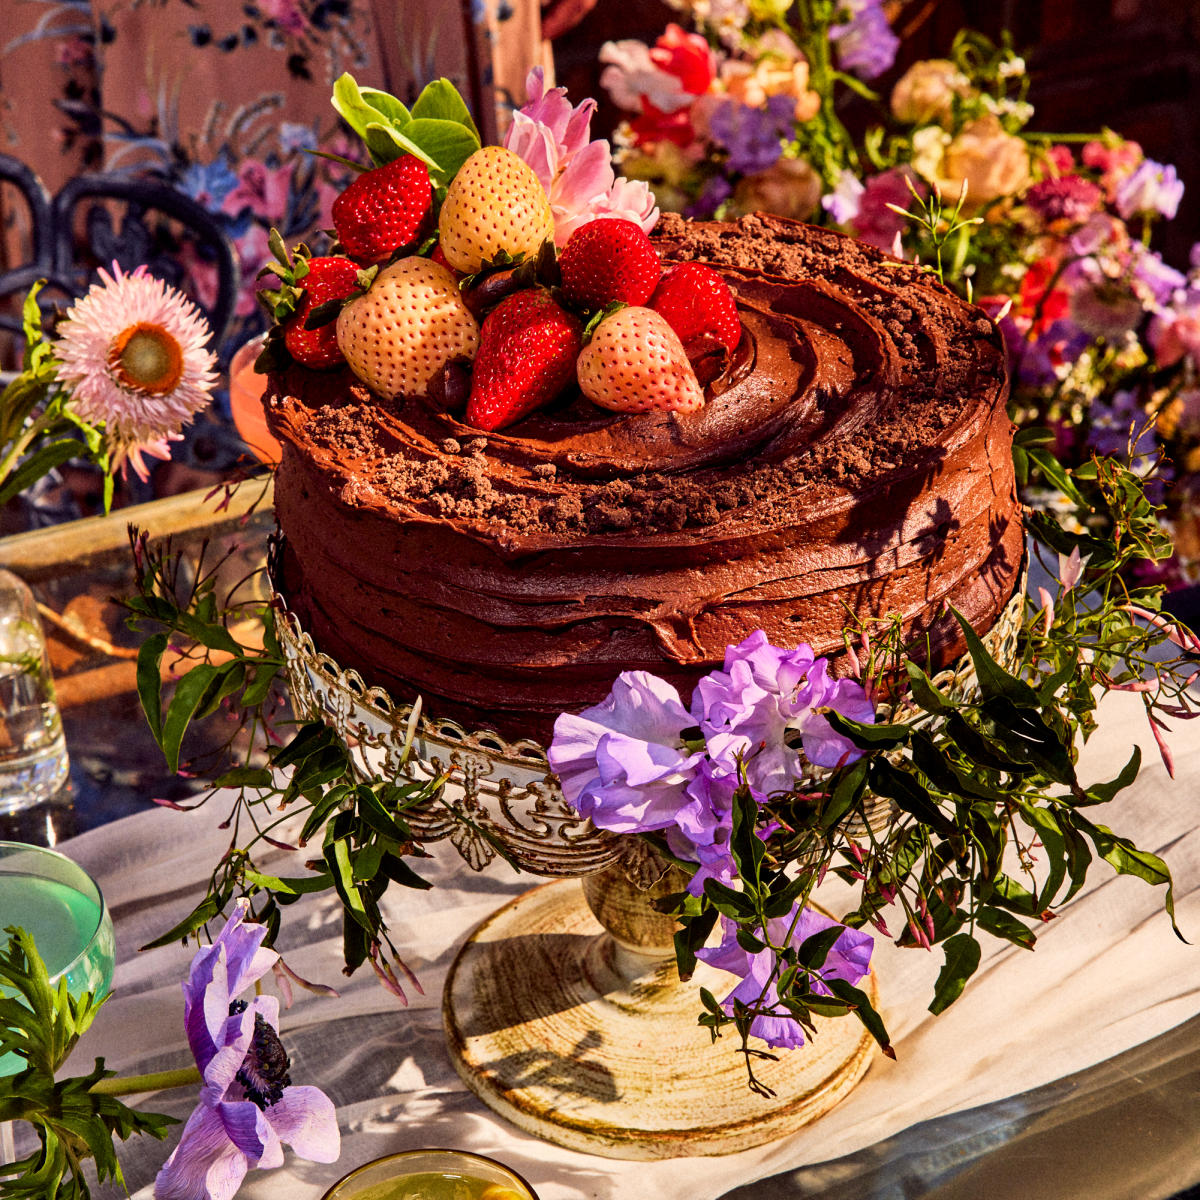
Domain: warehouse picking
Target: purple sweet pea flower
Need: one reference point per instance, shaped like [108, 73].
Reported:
[754, 137]
[622, 762]
[865, 45]
[1153, 277]
[248, 1107]
[1153, 188]
[844, 203]
[763, 692]
[703, 826]
[849, 959]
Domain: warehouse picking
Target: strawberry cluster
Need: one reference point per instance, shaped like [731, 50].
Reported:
[469, 301]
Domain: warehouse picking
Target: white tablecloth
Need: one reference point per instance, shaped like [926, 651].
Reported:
[1107, 975]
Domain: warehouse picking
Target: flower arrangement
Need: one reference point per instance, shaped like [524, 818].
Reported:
[1051, 234]
[928, 798]
[126, 370]
[247, 1109]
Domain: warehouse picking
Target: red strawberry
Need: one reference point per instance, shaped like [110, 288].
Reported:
[327, 279]
[383, 209]
[438, 255]
[609, 259]
[527, 351]
[698, 305]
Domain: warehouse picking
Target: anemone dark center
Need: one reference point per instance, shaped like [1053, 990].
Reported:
[264, 1071]
[145, 356]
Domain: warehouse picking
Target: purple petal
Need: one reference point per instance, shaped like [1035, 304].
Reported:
[305, 1119]
[247, 1127]
[205, 1165]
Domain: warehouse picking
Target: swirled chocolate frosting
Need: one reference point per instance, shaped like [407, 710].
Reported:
[854, 459]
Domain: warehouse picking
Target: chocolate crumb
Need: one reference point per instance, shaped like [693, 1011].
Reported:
[451, 446]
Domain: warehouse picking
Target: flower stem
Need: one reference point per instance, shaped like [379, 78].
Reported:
[155, 1081]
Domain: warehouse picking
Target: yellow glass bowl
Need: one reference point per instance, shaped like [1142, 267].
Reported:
[500, 1182]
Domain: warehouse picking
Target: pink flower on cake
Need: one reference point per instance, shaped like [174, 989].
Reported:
[132, 352]
[553, 138]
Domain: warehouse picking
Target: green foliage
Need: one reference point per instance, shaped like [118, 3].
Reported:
[365, 841]
[988, 828]
[42, 1023]
[38, 429]
[438, 129]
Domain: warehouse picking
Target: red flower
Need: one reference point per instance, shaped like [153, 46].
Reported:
[686, 56]
[1054, 304]
[654, 125]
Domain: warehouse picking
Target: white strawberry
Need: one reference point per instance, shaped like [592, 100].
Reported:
[494, 205]
[635, 362]
[406, 328]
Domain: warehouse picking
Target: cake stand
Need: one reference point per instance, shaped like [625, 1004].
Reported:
[564, 1011]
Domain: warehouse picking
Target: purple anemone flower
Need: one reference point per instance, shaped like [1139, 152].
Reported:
[248, 1107]
[849, 959]
[622, 762]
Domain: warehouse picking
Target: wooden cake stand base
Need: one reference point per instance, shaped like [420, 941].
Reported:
[581, 1032]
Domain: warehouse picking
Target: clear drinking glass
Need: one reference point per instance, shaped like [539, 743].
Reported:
[432, 1175]
[57, 901]
[33, 752]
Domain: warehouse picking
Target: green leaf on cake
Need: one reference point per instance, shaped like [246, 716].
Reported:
[440, 101]
[439, 130]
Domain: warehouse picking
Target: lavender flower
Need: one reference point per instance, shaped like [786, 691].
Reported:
[622, 763]
[844, 203]
[865, 45]
[849, 959]
[248, 1107]
[754, 137]
[1114, 425]
[763, 692]
[1152, 188]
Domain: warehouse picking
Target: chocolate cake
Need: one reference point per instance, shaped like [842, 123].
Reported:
[854, 458]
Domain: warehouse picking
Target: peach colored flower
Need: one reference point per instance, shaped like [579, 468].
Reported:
[990, 161]
[771, 76]
[927, 90]
[790, 188]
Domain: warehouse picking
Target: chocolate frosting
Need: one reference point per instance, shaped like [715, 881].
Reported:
[854, 458]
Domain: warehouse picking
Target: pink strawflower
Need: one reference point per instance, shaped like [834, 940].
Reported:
[132, 352]
[553, 138]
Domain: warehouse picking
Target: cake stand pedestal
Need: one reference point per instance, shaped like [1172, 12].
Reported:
[564, 1012]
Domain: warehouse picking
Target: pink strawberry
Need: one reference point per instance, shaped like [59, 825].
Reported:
[636, 363]
[400, 335]
[383, 209]
[527, 351]
[328, 278]
[606, 260]
[698, 305]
